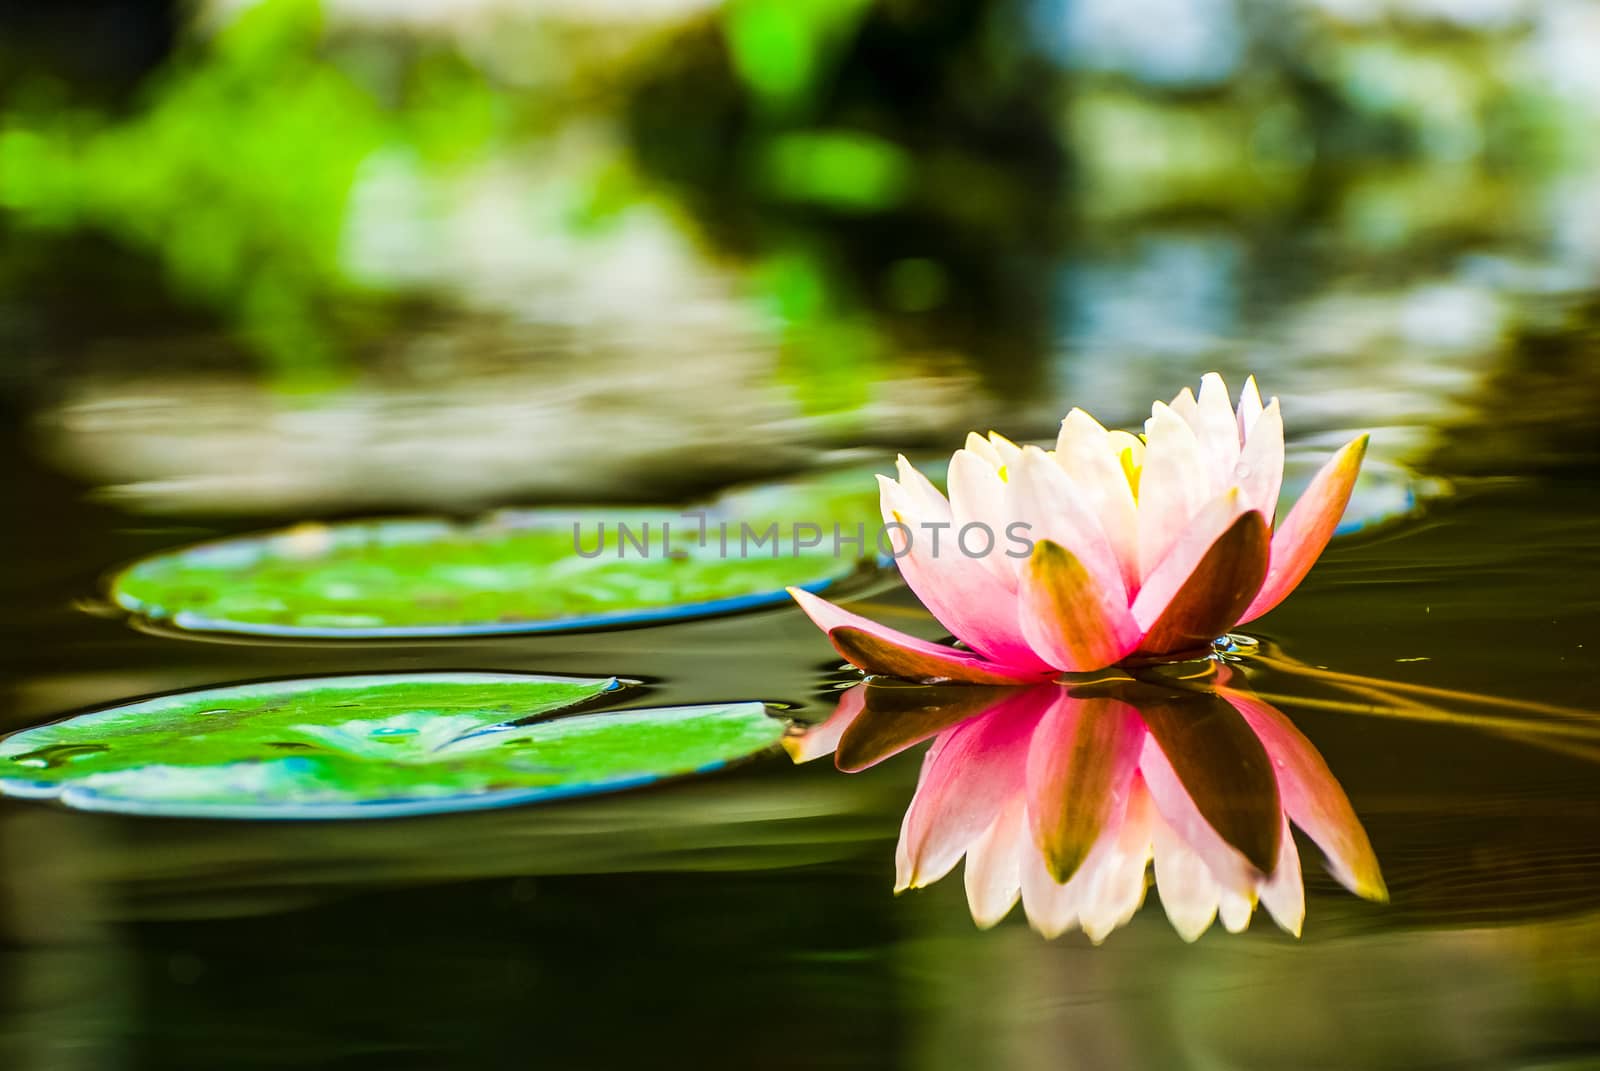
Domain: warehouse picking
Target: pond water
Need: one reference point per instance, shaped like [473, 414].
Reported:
[751, 913]
[614, 278]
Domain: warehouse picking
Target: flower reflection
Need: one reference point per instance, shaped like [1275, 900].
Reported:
[1116, 545]
[1063, 795]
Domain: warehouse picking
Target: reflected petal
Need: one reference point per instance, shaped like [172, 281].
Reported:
[1189, 894]
[969, 774]
[821, 739]
[899, 716]
[1081, 765]
[994, 865]
[1223, 771]
[1313, 799]
[1284, 893]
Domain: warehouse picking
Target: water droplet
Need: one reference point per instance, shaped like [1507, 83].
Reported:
[1241, 471]
[393, 731]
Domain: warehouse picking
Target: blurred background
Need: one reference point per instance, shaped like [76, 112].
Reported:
[291, 257]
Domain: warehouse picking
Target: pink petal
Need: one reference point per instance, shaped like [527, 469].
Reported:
[969, 774]
[877, 648]
[1075, 624]
[1004, 449]
[1216, 591]
[956, 589]
[1084, 756]
[1303, 535]
[1180, 566]
[1313, 798]
[1172, 487]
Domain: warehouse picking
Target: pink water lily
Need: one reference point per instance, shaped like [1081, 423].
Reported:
[1064, 800]
[1135, 546]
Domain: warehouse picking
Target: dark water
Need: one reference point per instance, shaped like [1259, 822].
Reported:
[746, 919]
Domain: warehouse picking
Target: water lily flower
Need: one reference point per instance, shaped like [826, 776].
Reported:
[1119, 547]
[1063, 799]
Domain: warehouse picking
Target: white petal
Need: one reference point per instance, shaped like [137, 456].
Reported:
[1284, 894]
[1052, 909]
[1086, 452]
[1188, 892]
[978, 496]
[1005, 450]
[983, 448]
[1118, 887]
[994, 865]
[1172, 486]
[1217, 430]
[1235, 909]
[1043, 497]
[1259, 472]
[1249, 408]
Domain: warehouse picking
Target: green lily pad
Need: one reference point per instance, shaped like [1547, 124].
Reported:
[516, 571]
[370, 746]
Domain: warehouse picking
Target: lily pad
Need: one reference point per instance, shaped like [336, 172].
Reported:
[528, 571]
[370, 746]
[515, 571]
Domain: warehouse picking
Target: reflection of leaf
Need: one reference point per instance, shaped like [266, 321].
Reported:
[1224, 769]
[364, 746]
[896, 715]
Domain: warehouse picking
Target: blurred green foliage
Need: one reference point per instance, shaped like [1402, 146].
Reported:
[236, 173]
[785, 51]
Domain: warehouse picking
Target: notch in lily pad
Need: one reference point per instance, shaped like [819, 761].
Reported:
[372, 746]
